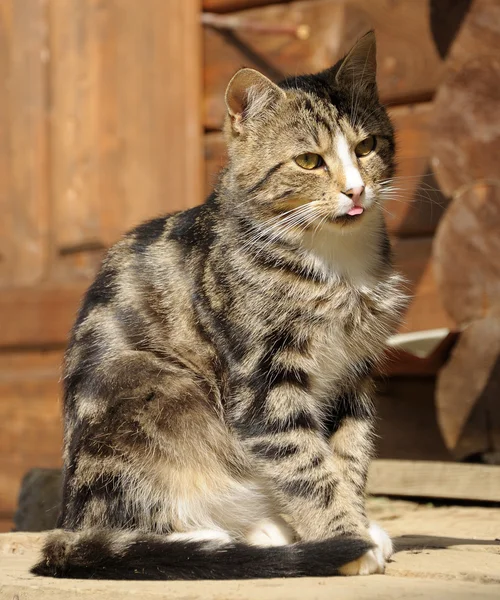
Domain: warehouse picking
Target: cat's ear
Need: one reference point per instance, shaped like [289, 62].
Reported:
[248, 94]
[359, 67]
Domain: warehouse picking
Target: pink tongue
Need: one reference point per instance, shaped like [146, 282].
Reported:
[355, 210]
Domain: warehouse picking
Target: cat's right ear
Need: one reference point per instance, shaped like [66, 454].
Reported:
[248, 94]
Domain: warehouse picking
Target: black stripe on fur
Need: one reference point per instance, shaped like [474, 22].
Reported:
[101, 555]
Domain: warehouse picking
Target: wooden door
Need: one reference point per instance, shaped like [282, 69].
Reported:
[100, 129]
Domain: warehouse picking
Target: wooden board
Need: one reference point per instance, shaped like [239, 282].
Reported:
[406, 425]
[23, 142]
[413, 257]
[30, 421]
[401, 27]
[41, 317]
[429, 479]
[419, 205]
[222, 6]
[126, 132]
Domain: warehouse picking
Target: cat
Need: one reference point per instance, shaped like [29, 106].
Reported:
[217, 385]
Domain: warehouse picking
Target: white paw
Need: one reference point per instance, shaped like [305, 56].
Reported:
[201, 535]
[369, 563]
[270, 532]
[382, 539]
[372, 561]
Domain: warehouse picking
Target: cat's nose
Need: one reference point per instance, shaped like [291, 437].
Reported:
[355, 194]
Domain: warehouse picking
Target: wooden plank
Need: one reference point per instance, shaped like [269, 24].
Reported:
[23, 142]
[42, 316]
[429, 479]
[126, 93]
[222, 6]
[419, 205]
[401, 27]
[406, 416]
[413, 258]
[30, 422]
[6, 523]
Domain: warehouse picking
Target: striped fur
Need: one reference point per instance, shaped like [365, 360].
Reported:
[218, 374]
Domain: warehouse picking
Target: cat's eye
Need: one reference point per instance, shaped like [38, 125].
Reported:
[366, 146]
[309, 161]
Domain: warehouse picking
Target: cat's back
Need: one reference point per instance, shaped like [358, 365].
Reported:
[141, 298]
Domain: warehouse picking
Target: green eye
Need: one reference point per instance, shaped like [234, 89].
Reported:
[309, 161]
[366, 147]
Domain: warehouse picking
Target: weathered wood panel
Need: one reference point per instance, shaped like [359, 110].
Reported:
[38, 317]
[413, 257]
[30, 421]
[222, 6]
[125, 90]
[419, 204]
[402, 27]
[23, 142]
[406, 412]
[427, 479]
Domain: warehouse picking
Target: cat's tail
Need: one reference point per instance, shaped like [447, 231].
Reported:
[127, 555]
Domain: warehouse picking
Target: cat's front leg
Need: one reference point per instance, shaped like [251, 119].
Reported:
[294, 457]
[351, 434]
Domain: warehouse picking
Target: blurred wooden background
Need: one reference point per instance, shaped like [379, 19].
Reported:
[110, 114]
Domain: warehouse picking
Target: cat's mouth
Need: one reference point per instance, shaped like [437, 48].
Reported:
[351, 216]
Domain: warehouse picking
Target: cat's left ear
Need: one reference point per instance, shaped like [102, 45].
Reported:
[359, 67]
[248, 94]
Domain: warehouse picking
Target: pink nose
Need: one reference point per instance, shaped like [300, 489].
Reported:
[355, 194]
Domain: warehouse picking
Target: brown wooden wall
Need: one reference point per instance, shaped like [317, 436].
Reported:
[102, 113]
[99, 130]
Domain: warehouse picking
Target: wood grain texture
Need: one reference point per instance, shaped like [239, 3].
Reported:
[413, 258]
[38, 317]
[125, 89]
[23, 142]
[419, 205]
[428, 479]
[468, 391]
[406, 425]
[30, 422]
[402, 27]
[466, 253]
[222, 6]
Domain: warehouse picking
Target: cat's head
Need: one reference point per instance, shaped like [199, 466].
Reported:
[319, 145]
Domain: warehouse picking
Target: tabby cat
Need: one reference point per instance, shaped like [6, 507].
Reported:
[217, 391]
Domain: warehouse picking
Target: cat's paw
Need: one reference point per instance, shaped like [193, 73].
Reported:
[270, 532]
[374, 560]
[381, 539]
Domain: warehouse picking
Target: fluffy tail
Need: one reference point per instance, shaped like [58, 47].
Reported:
[120, 555]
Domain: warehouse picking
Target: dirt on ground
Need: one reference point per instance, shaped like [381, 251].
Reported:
[442, 552]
